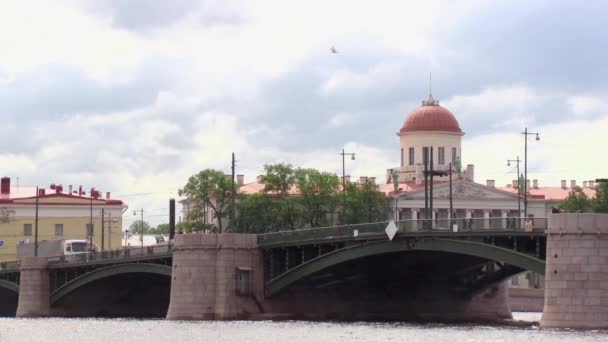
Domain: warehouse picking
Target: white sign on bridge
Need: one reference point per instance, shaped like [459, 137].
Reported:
[391, 230]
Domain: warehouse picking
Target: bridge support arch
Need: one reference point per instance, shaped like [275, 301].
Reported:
[34, 288]
[105, 272]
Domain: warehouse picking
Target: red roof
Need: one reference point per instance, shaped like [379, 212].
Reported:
[430, 117]
[550, 193]
[28, 192]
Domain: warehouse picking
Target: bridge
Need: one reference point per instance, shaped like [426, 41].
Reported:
[325, 260]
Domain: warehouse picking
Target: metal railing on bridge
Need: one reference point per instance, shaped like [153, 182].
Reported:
[443, 227]
[124, 254]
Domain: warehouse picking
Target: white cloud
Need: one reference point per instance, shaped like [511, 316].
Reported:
[586, 105]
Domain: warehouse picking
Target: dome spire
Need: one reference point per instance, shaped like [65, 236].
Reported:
[430, 101]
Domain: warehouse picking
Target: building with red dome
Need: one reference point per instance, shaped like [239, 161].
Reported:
[427, 128]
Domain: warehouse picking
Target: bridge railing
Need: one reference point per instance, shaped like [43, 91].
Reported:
[9, 265]
[376, 229]
[112, 255]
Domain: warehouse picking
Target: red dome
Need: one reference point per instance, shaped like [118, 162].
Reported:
[430, 117]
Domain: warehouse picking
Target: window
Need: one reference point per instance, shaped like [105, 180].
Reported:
[90, 230]
[27, 229]
[453, 155]
[411, 156]
[401, 157]
[515, 280]
[425, 155]
[441, 155]
[59, 229]
[243, 281]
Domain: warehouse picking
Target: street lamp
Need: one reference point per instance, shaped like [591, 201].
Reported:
[526, 133]
[126, 237]
[344, 179]
[517, 161]
[142, 225]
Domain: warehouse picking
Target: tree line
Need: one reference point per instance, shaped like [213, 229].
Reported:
[291, 198]
[578, 201]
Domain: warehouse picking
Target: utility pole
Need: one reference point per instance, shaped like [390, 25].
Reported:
[451, 204]
[525, 133]
[90, 229]
[517, 161]
[431, 191]
[36, 225]
[109, 230]
[344, 181]
[232, 208]
[103, 218]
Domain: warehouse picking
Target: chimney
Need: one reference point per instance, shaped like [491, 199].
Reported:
[563, 183]
[80, 190]
[572, 184]
[70, 188]
[389, 176]
[93, 191]
[5, 185]
[108, 195]
[41, 192]
[59, 188]
[584, 184]
[509, 185]
[240, 180]
[528, 185]
[347, 179]
[515, 183]
[372, 179]
[470, 174]
[490, 183]
[535, 183]
[260, 178]
[362, 180]
[592, 184]
[53, 186]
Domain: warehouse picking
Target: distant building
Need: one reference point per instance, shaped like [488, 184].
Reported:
[62, 214]
[432, 125]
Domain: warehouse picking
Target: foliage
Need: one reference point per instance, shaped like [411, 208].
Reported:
[600, 203]
[577, 201]
[278, 179]
[365, 203]
[161, 229]
[318, 195]
[210, 188]
[135, 227]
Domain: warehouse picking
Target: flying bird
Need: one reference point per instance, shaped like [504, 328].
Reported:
[333, 50]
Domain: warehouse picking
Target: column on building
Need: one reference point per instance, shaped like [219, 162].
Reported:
[486, 219]
[468, 214]
[414, 219]
[504, 214]
[434, 218]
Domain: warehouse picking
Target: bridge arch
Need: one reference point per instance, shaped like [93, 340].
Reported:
[108, 271]
[9, 285]
[471, 248]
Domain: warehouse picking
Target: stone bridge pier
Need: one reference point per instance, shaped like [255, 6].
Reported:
[34, 288]
[576, 277]
[216, 277]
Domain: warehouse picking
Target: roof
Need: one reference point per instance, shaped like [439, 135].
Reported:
[550, 193]
[25, 195]
[430, 117]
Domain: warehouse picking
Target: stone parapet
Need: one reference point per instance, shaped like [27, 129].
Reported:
[34, 288]
[576, 278]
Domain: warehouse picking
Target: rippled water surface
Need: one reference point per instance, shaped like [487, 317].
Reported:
[80, 330]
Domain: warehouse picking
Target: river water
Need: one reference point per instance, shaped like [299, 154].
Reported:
[82, 330]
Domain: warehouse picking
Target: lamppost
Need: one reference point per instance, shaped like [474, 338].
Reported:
[344, 179]
[526, 133]
[517, 161]
[126, 237]
[142, 225]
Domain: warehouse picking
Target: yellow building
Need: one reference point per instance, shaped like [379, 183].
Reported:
[61, 215]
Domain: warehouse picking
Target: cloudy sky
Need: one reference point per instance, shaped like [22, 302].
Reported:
[134, 96]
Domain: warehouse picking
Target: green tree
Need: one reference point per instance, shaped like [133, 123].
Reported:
[600, 202]
[161, 229]
[365, 203]
[209, 188]
[278, 179]
[577, 201]
[317, 194]
[135, 227]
